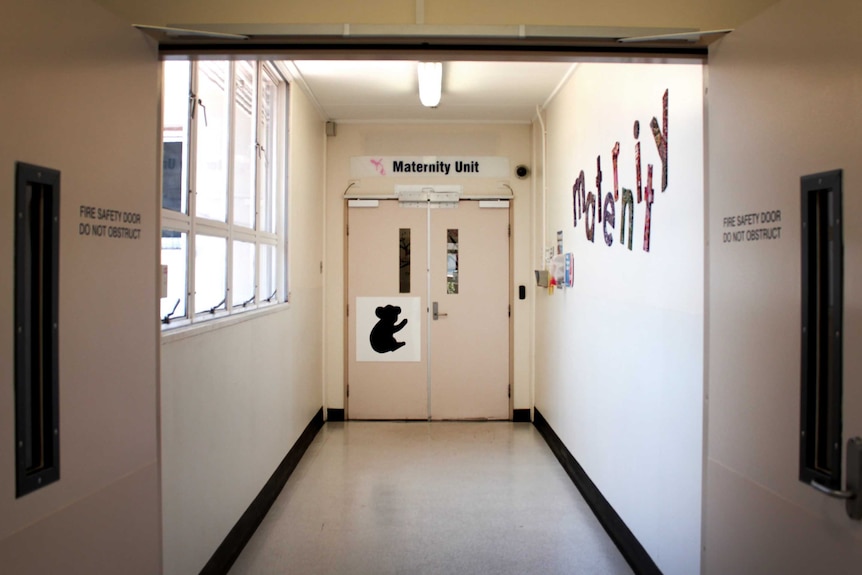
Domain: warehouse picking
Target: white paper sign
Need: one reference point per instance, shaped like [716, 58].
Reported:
[388, 329]
[438, 166]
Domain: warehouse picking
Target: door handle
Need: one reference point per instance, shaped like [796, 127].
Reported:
[435, 314]
[853, 494]
[836, 493]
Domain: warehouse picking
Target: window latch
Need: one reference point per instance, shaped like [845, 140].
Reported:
[248, 301]
[204, 108]
[270, 298]
[194, 101]
[167, 318]
[218, 305]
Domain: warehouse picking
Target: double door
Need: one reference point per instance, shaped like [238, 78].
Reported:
[428, 310]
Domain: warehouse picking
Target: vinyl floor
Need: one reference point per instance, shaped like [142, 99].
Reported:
[381, 498]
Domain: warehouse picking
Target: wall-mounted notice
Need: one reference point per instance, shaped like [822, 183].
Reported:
[388, 329]
[445, 166]
[561, 271]
[751, 227]
[109, 223]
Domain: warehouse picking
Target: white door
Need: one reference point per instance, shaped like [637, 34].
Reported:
[424, 284]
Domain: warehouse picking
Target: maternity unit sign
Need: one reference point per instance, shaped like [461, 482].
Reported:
[445, 166]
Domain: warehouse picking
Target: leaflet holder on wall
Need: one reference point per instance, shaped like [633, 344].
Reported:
[542, 278]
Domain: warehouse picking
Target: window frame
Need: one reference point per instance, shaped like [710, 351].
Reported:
[193, 226]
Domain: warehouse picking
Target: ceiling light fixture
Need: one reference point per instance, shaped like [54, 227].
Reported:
[430, 83]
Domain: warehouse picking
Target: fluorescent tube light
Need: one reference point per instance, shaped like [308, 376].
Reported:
[430, 83]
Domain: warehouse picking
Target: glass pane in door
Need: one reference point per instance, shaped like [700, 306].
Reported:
[451, 261]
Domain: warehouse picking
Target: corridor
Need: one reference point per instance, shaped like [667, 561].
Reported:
[442, 497]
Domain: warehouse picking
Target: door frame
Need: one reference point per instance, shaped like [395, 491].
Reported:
[347, 198]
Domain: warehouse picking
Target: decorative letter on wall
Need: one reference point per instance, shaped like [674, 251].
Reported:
[590, 209]
[661, 140]
[610, 218]
[579, 198]
[649, 199]
[628, 205]
[599, 186]
[637, 133]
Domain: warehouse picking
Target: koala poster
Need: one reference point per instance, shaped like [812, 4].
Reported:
[388, 329]
[383, 333]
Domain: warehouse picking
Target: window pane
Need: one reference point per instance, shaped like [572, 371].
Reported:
[175, 256]
[404, 263]
[175, 135]
[243, 273]
[451, 261]
[267, 138]
[210, 273]
[244, 150]
[211, 115]
[267, 273]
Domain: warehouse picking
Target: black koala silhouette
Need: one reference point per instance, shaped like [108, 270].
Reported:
[383, 334]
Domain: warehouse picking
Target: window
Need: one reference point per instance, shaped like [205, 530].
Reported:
[175, 258]
[222, 233]
[451, 261]
[404, 260]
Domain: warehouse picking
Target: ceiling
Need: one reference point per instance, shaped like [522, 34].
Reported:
[365, 90]
[387, 90]
[362, 73]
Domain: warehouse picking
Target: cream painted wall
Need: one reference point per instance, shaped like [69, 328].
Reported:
[79, 94]
[784, 101]
[779, 108]
[619, 371]
[511, 141]
[701, 14]
[237, 397]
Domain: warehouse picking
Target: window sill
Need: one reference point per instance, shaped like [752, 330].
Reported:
[171, 335]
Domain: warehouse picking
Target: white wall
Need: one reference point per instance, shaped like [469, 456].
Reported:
[784, 101]
[507, 140]
[236, 398]
[619, 371]
[79, 94]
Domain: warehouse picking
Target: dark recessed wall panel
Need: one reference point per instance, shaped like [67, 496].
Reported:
[37, 416]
